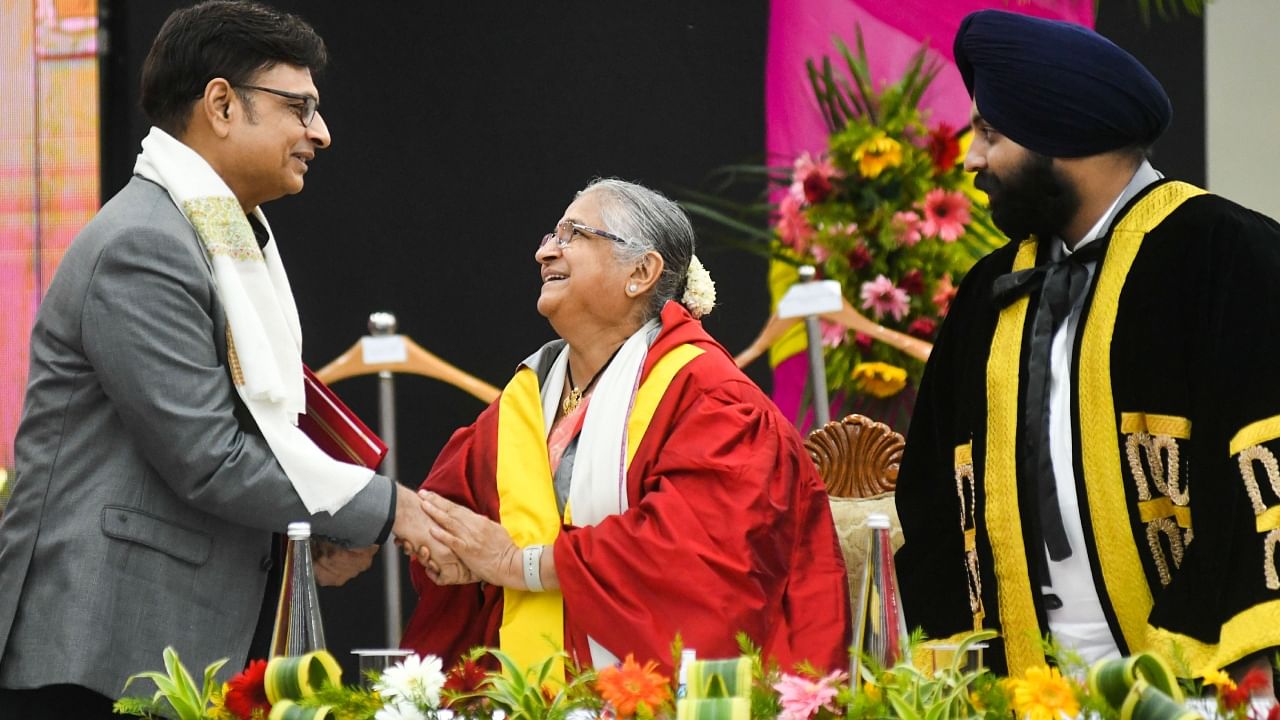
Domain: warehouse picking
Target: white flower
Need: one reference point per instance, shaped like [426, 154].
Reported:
[400, 711]
[699, 290]
[414, 681]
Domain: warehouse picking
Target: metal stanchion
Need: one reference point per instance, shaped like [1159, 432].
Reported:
[817, 366]
[383, 324]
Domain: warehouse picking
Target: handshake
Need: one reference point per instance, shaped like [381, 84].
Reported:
[454, 545]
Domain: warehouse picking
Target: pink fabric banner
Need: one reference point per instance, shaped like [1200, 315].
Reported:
[892, 31]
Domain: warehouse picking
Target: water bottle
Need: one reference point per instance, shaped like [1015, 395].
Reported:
[687, 657]
[879, 628]
[299, 629]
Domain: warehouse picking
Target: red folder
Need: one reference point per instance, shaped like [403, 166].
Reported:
[334, 428]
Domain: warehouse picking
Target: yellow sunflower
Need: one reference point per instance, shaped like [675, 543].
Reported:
[879, 379]
[877, 153]
[1043, 694]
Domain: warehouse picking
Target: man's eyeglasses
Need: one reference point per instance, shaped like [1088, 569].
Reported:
[306, 111]
[566, 230]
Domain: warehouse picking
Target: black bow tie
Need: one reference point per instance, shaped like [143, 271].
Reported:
[1061, 283]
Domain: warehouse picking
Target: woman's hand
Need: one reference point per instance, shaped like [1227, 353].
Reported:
[484, 547]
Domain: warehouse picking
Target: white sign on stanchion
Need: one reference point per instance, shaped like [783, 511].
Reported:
[810, 298]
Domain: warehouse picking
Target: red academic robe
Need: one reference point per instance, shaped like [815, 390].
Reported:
[729, 529]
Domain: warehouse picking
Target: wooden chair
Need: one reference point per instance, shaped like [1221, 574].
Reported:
[857, 457]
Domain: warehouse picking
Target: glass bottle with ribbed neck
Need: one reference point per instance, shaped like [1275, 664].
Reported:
[299, 628]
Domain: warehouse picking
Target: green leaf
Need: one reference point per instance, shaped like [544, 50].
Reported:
[903, 709]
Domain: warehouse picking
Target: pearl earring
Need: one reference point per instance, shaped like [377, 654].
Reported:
[631, 288]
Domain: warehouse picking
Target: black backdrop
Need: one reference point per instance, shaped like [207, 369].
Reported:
[461, 131]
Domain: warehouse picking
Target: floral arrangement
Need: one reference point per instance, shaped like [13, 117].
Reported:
[886, 211]
[931, 686]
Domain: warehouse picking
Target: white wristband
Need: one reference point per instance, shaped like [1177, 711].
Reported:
[533, 567]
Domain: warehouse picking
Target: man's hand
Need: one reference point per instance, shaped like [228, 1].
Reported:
[483, 546]
[442, 566]
[411, 526]
[335, 565]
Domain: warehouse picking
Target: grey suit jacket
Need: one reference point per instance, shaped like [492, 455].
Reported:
[145, 500]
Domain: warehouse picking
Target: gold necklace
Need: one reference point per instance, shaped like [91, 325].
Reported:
[572, 402]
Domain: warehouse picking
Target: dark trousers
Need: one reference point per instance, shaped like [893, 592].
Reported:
[55, 702]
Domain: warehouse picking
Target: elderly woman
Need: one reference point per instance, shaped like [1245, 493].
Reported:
[630, 483]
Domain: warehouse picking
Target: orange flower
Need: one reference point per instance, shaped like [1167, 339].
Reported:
[630, 687]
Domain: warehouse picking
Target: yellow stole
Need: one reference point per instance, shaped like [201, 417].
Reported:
[1124, 579]
[533, 622]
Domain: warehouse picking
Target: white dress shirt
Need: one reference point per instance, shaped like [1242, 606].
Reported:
[1080, 623]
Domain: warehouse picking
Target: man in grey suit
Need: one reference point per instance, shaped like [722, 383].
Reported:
[150, 480]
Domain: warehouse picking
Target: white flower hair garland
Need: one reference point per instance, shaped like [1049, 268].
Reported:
[699, 290]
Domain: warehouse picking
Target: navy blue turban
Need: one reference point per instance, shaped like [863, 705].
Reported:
[1057, 88]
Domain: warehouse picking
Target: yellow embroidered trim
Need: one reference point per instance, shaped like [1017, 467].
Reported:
[532, 622]
[1161, 507]
[1269, 520]
[1151, 510]
[651, 392]
[1255, 629]
[1019, 626]
[1255, 434]
[1183, 516]
[968, 526]
[233, 360]
[1171, 425]
[223, 228]
[1124, 579]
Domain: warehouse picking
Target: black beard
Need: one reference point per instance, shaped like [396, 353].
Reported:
[1033, 199]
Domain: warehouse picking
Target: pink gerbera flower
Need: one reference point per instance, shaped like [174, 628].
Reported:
[945, 214]
[793, 227]
[833, 334]
[882, 297]
[802, 697]
[811, 180]
[907, 225]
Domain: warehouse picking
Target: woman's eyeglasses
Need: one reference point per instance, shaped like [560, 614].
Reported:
[566, 230]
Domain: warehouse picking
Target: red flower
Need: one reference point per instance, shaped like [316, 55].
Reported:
[816, 188]
[465, 677]
[1255, 679]
[943, 148]
[923, 328]
[247, 692]
[863, 341]
[811, 180]
[1274, 713]
[859, 257]
[912, 281]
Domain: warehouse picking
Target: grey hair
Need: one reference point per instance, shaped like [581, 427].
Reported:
[648, 221]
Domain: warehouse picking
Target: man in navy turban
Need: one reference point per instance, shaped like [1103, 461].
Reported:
[1116, 353]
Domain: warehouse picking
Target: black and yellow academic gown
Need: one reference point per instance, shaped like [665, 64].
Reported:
[1176, 428]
